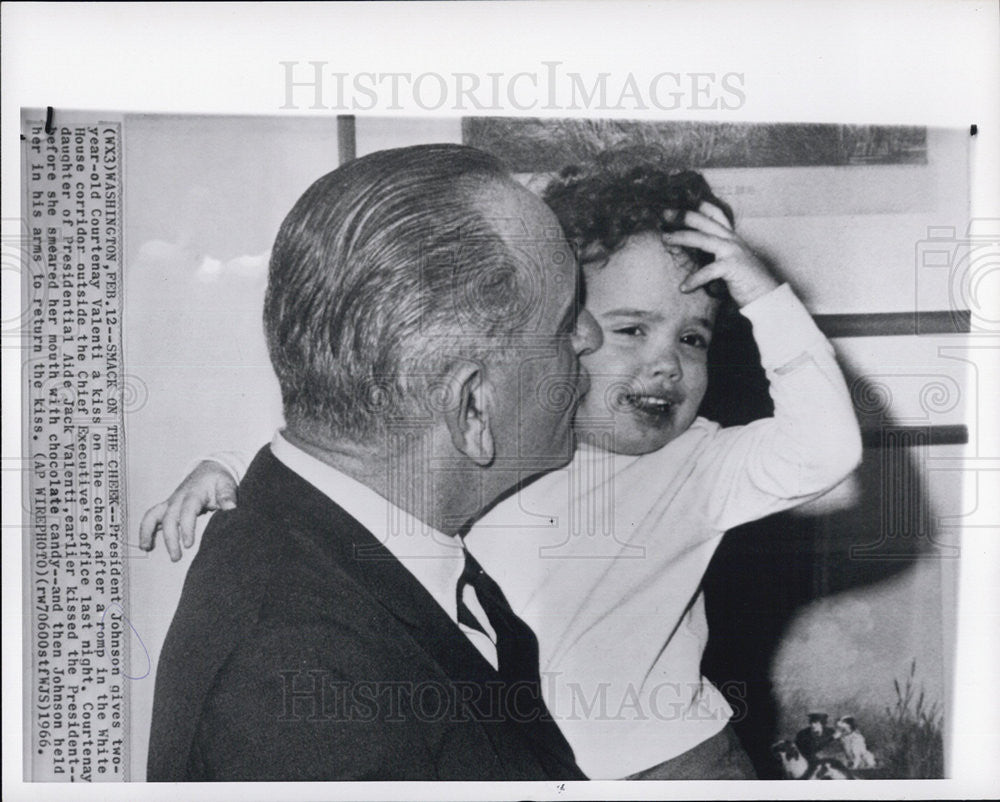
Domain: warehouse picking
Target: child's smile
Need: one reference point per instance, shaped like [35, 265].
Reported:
[657, 404]
[649, 376]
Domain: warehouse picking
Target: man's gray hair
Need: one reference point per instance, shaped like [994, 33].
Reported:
[378, 265]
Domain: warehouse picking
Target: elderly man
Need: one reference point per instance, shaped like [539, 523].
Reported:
[422, 319]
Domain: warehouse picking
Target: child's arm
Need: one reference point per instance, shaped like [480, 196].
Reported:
[210, 486]
[813, 441]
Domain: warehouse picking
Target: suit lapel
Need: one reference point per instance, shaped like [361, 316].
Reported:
[278, 492]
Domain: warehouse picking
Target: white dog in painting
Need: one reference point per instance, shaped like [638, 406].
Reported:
[855, 748]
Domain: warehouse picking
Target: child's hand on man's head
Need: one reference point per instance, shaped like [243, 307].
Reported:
[735, 262]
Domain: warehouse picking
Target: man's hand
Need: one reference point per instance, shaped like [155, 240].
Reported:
[208, 487]
[735, 262]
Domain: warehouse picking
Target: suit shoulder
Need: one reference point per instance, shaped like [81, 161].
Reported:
[283, 574]
[238, 553]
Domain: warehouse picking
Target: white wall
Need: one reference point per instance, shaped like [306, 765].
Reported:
[204, 199]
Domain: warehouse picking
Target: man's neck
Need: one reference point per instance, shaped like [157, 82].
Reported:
[404, 477]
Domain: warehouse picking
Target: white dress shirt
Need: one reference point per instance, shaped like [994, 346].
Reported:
[435, 559]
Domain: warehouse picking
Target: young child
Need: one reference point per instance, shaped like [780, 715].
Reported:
[604, 559]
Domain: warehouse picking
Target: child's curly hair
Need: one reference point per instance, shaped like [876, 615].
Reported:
[628, 191]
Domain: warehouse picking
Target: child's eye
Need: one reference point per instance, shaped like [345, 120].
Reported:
[629, 331]
[695, 340]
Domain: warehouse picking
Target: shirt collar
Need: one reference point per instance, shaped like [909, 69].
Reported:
[434, 558]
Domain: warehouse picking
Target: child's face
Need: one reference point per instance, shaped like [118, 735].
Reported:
[649, 376]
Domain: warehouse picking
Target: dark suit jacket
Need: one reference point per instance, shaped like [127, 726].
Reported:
[303, 650]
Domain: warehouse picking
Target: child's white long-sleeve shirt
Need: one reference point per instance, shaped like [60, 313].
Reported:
[604, 559]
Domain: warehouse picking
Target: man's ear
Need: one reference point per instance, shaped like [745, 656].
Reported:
[469, 419]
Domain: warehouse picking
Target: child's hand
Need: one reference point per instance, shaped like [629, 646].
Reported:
[208, 487]
[735, 263]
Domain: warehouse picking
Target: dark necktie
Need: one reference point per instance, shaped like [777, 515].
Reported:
[517, 647]
[517, 664]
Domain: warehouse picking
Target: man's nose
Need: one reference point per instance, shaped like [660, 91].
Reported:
[587, 336]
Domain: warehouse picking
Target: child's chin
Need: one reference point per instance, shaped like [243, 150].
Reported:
[638, 443]
[624, 438]
[637, 448]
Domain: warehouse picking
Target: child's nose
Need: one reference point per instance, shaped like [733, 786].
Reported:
[668, 365]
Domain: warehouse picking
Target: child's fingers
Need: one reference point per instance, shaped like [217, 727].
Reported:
[190, 508]
[702, 276]
[150, 523]
[695, 239]
[707, 225]
[225, 492]
[171, 537]
[714, 212]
